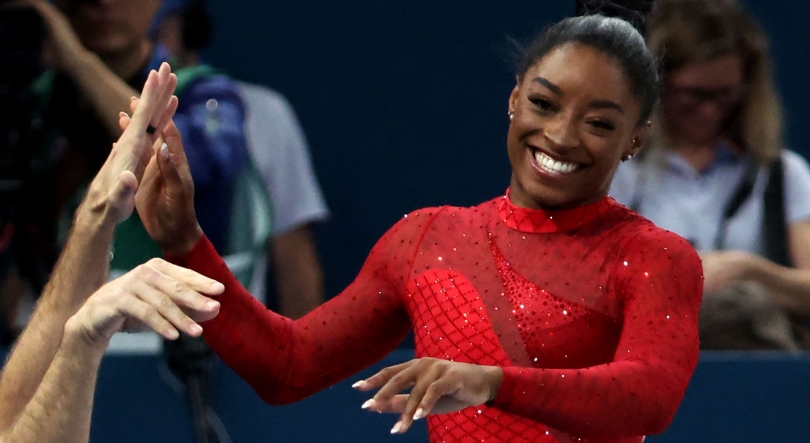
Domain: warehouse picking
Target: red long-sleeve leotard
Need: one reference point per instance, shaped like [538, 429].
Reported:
[591, 312]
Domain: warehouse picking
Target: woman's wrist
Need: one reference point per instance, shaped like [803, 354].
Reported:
[182, 243]
[494, 377]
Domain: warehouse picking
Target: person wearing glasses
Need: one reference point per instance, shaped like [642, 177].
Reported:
[715, 171]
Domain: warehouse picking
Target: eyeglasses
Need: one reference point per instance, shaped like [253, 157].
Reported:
[694, 96]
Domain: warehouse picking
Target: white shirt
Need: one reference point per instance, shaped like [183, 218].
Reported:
[674, 196]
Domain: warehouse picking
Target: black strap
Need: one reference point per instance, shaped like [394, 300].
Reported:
[739, 197]
[775, 220]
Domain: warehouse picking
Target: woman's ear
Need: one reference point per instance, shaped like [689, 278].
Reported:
[513, 97]
[639, 138]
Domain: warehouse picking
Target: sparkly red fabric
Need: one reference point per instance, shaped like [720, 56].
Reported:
[591, 312]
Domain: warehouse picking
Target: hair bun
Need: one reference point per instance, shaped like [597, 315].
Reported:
[631, 11]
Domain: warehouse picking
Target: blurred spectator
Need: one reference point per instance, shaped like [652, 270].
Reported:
[715, 172]
[278, 149]
[96, 55]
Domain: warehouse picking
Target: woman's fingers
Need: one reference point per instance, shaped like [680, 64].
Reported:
[407, 416]
[382, 377]
[169, 171]
[436, 393]
[436, 386]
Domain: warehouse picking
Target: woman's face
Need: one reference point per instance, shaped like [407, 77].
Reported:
[698, 98]
[575, 117]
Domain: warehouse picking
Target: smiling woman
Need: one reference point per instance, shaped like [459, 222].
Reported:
[548, 314]
[568, 132]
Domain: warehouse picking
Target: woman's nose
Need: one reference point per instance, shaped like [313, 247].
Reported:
[561, 132]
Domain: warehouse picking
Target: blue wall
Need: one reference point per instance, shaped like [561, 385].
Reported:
[404, 102]
[744, 398]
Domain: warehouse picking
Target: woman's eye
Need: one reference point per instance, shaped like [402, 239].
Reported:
[543, 104]
[601, 124]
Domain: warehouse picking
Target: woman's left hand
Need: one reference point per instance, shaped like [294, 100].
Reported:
[437, 387]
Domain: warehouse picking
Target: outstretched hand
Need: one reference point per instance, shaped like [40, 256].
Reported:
[112, 192]
[165, 199]
[156, 295]
[437, 387]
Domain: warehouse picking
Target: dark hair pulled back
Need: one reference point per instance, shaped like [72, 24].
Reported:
[615, 28]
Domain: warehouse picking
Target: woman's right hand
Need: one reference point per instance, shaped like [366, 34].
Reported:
[165, 197]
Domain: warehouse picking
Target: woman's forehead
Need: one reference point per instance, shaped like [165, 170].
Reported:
[578, 69]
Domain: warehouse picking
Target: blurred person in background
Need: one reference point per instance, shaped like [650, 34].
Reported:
[48, 383]
[278, 149]
[715, 171]
[84, 61]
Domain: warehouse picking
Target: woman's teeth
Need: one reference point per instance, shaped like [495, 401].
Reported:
[554, 166]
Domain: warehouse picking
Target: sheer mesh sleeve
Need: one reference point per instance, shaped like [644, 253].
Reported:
[658, 278]
[285, 360]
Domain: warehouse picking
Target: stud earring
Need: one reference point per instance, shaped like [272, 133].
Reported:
[511, 115]
[627, 157]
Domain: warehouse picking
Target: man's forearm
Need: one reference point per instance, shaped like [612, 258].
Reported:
[61, 409]
[108, 93]
[81, 269]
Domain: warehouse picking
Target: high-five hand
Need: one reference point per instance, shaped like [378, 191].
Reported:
[112, 192]
[165, 199]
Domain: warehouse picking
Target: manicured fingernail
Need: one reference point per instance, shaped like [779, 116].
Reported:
[212, 304]
[164, 150]
[358, 384]
[396, 427]
[420, 413]
[367, 404]
[195, 328]
[217, 286]
[173, 334]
